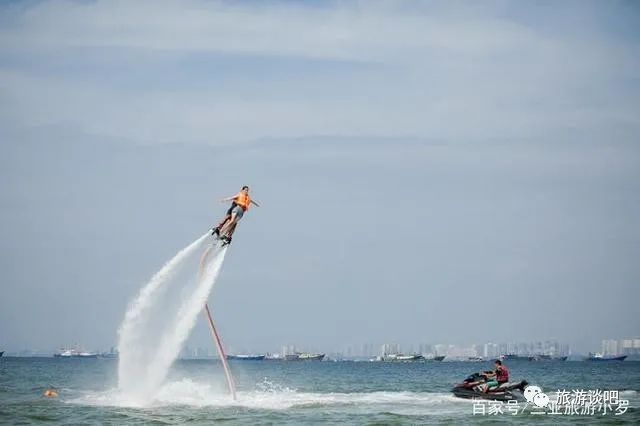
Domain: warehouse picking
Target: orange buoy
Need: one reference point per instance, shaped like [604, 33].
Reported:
[50, 393]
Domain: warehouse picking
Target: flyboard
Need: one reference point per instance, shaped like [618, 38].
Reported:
[224, 233]
[214, 333]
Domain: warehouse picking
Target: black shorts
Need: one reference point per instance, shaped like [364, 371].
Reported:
[233, 205]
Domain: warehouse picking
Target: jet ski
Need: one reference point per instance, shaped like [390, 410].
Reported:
[474, 386]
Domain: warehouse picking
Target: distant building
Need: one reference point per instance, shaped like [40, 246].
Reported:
[390, 348]
[474, 351]
[631, 346]
[610, 347]
[350, 351]
[426, 349]
[491, 350]
[288, 350]
[625, 346]
[547, 347]
[503, 349]
[370, 351]
[525, 349]
[366, 350]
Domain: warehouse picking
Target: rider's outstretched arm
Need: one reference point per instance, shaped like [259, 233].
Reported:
[224, 200]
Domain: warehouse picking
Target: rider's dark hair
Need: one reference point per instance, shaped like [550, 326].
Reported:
[245, 187]
[498, 362]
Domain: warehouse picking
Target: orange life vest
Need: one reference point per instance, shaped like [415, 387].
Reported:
[243, 200]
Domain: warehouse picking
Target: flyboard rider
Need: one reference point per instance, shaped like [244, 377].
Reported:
[239, 206]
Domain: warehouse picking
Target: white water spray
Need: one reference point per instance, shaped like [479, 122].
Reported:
[161, 317]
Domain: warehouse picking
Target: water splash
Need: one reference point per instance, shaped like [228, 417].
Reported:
[189, 392]
[161, 317]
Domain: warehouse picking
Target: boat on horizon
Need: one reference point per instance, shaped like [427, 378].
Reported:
[273, 357]
[243, 357]
[437, 358]
[303, 356]
[1, 353]
[74, 353]
[545, 357]
[513, 357]
[600, 357]
[400, 358]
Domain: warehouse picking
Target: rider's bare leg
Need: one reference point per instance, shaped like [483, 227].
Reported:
[226, 218]
[228, 225]
[217, 229]
[232, 229]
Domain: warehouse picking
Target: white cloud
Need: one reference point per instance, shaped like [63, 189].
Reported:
[350, 31]
[416, 69]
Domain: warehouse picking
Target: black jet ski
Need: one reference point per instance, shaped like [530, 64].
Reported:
[474, 387]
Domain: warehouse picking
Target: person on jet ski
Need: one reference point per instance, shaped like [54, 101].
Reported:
[497, 377]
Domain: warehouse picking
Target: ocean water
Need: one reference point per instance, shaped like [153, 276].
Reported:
[277, 392]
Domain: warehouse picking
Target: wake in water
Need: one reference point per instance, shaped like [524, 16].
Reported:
[161, 317]
[188, 392]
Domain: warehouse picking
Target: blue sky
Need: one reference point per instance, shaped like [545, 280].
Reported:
[498, 141]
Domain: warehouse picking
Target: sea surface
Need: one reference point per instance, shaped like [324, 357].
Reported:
[278, 392]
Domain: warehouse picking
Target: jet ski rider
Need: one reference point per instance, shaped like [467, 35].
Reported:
[498, 376]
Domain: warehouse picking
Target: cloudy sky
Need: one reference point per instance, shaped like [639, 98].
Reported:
[420, 164]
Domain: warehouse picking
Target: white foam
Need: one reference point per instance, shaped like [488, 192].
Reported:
[160, 319]
[187, 392]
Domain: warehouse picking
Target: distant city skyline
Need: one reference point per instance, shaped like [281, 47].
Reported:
[623, 346]
[487, 350]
